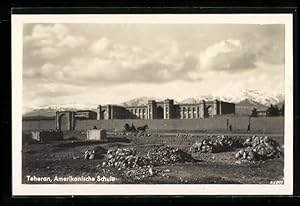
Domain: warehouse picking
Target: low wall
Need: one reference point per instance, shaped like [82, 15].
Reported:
[189, 124]
[257, 124]
[47, 135]
[40, 125]
[267, 124]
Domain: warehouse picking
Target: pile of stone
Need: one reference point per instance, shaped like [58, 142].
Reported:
[125, 158]
[139, 173]
[143, 134]
[168, 155]
[256, 140]
[220, 144]
[95, 153]
[89, 154]
[259, 149]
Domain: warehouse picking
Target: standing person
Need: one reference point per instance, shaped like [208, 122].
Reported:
[230, 127]
[227, 123]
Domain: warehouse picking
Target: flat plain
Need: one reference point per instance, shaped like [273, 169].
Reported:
[66, 158]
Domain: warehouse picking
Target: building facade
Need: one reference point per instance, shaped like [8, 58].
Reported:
[85, 114]
[166, 110]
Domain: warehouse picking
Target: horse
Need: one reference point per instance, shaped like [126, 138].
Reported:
[132, 128]
[126, 127]
[142, 128]
[129, 128]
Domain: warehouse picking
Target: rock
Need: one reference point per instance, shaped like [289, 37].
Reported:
[168, 155]
[151, 171]
[139, 167]
[86, 154]
[259, 149]
[220, 144]
[92, 156]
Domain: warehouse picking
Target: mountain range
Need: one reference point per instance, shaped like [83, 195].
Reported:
[246, 99]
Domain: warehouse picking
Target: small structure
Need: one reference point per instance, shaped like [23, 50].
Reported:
[43, 136]
[96, 134]
[261, 113]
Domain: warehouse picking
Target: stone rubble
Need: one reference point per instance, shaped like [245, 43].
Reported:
[221, 144]
[89, 154]
[95, 153]
[259, 149]
[140, 173]
[139, 167]
[129, 163]
[168, 155]
[125, 158]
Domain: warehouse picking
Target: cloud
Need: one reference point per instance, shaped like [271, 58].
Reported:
[48, 71]
[229, 55]
[227, 46]
[111, 71]
[73, 59]
[51, 42]
[72, 42]
[100, 45]
[44, 31]
[72, 62]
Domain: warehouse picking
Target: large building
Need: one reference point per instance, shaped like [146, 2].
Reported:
[85, 114]
[166, 110]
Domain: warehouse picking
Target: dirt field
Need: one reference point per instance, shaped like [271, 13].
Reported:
[65, 158]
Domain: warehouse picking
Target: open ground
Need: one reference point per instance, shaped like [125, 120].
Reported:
[65, 158]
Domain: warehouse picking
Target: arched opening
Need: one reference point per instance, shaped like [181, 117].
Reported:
[105, 114]
[63, 122]
[160, 112]
[210, 111]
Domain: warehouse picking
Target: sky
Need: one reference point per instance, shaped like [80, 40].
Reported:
[91, 64]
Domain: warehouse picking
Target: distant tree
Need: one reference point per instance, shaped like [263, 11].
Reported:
[282, 110]
[254, 113]
[270, 110]
[276, 111]
[273, 110]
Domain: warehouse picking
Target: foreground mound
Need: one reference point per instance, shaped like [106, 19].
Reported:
[125, 158]
[221, 144]
[168, 155]
[139, 167]
[259, 148]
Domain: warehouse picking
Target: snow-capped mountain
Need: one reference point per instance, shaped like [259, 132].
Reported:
[247, 98]
[262, 97]
[251, 103]
[139, 101]
[194, 100]
[253, 97]
[50, 110]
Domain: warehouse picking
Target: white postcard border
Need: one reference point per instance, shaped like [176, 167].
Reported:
[149, 189]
